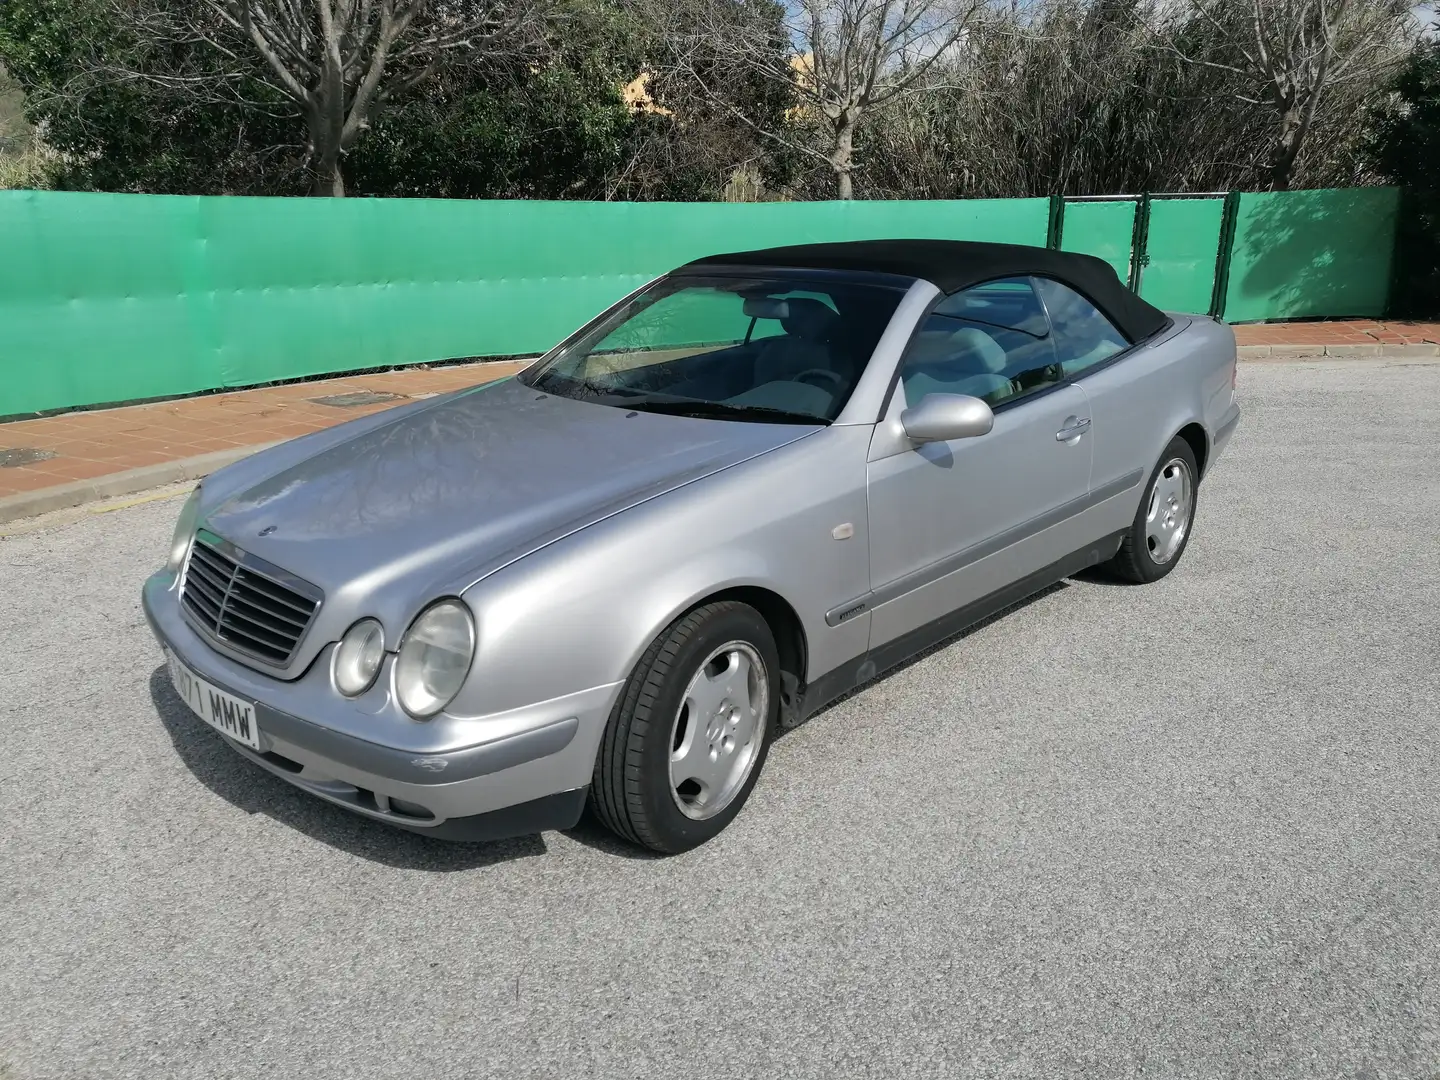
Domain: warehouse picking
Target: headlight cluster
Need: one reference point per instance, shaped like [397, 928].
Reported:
[184, 532]
[358, 656]
[434, 658]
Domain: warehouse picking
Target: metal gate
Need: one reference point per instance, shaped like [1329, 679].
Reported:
[1168, 248]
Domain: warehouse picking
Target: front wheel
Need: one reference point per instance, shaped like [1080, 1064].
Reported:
[688, 737]
[1161, 528]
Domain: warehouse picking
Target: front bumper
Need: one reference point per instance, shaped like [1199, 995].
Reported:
[531, 775]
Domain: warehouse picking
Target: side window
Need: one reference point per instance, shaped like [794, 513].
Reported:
[1010, 303]
[1083, 336]
[991, 342]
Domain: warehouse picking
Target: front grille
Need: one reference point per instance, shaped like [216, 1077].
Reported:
[263, 615]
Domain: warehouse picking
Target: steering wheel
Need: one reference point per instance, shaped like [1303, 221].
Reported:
[837, 383]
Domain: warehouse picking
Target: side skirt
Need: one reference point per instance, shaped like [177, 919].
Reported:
[833, 684]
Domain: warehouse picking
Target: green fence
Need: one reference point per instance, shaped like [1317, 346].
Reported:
[118, 297]
[1297, 254]
[107, 298]
[1182, 246]
[1104, 228]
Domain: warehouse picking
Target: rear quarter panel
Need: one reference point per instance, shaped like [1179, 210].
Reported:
[1140, 402]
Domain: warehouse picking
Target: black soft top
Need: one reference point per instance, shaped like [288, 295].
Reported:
[952, 265]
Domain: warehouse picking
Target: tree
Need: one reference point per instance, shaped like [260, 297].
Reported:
[849, 58]
[1298, 51]
[706, 119]
[547, 125]
[131, 110]
[1067, 97]
[114, 132]
[337, 62]
[1405, 148]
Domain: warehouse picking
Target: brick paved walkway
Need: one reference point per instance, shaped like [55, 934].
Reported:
[86, 445]
[83, 446]
[1292, 337]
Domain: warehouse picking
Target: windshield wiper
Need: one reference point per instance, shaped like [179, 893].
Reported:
[723, 410]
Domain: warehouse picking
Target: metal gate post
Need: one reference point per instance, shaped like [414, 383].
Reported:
[1222, 258]
[1139, 256]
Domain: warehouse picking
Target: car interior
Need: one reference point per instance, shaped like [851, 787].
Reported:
[997, 341]
[801, 354]
[804, 348]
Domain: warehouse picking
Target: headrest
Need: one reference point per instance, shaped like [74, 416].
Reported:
[807, 318]
[763, 307]
[982, 351]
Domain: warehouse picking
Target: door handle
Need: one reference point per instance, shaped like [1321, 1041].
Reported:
[1073, 430]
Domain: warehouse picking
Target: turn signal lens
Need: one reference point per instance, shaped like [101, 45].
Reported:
[184, 532]
[357, 658]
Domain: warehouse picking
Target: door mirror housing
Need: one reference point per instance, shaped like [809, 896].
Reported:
[942, 417]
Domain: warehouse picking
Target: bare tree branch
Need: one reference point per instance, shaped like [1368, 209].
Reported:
[337, 61]
[1298, 50]
[850, 57]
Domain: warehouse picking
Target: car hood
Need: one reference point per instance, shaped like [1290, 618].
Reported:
[462, 485]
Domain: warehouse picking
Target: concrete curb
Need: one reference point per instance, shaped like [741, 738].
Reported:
[1349, 351]
[64, 496]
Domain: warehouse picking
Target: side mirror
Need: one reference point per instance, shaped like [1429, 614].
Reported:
[941, 417]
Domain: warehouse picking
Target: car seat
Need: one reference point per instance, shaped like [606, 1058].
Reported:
[809, 327]
[965, 361]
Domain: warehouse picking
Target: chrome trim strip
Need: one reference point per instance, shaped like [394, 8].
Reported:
[927, 575]
[257, 565]
[252, 564]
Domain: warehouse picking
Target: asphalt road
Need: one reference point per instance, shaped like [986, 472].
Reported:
[1185, 830]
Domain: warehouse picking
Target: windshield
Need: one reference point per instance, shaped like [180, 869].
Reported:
[766, 348]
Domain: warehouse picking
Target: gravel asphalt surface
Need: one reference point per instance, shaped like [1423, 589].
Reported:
[1185, 830]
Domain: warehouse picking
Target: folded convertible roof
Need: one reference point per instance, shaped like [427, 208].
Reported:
[952, 265]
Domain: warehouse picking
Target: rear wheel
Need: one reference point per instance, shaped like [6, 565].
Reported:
[689, 735]
[1161, 528]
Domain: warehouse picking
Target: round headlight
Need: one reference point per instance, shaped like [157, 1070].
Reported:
[357, 657]
[434, 658]
[184, 532]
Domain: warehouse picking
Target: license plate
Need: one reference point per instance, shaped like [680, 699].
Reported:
[226, 713]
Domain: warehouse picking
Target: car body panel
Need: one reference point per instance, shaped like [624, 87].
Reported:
[769, 524]
[1147, 395]
[400, 513]
[999, 484]
[576, 532]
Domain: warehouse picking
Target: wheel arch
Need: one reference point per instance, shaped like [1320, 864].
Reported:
[784, 622]
[1198, 440]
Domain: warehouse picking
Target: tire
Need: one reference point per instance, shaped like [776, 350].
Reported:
[682, 711]
[1152, 547]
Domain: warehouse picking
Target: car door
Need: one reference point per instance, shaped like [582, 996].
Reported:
[1127, 397]
[952, 522]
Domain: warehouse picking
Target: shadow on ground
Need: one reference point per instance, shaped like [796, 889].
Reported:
[961, 635]
[252, 789]
[255, 791]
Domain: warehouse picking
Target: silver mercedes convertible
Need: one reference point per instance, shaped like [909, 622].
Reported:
[744, 490]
